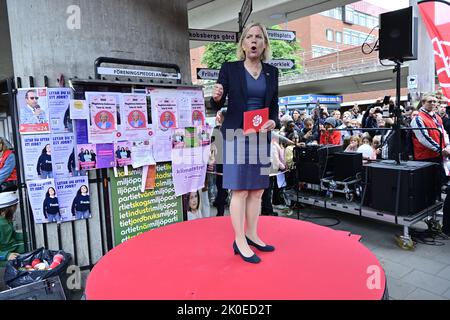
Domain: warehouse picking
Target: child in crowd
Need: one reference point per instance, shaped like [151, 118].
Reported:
[354, 144]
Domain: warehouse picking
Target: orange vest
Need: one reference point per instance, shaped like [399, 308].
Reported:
[5, 155]
[420, 151]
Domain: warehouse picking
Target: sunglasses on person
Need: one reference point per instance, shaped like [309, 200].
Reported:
[33, 98]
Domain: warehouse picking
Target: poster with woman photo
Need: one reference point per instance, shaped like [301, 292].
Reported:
[192, 208]
[74, 198]
[134, 112]
[59, 110]
[122, 153]
[103, 117]
[44, 201]
[166, 112]
[198, 112]
[37, 156]
[62, 148]
[33, 110]
[86, 156]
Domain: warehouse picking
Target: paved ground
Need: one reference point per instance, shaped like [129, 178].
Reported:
[421, 274]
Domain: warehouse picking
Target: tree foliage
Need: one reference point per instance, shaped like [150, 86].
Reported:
[217, 53]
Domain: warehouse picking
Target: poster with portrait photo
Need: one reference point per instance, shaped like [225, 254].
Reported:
[86, 156]
[44, 201]
[204, 135]
[192, 206]
[37, 156]
[167, 113]
[62, 146]
[59, 110]
[178, 138]
[74, 198]
[103, 117]
[198, 112]
[33, 110]
[122, 153]
[134, 112]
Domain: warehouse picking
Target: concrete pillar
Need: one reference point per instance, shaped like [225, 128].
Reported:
[50, 37]
[6, 66]
[53, 37]
[423, 67]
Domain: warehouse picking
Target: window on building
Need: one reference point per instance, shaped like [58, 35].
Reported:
[318, 51]
[338, 37]
[347, 37]
[330, 35]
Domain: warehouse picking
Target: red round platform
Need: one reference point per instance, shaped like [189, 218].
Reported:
[194, 261]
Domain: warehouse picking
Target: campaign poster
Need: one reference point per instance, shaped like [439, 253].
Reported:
[136, 212]
[74, 198]
[62, 155]
[79, 110]
[178, 138]
[59, 110]
[204, 135]
[192, 206]
[103, 109]
[142, 153]
[191, 138]
[167, 113]
[37, 156]
[122, 153]
[86, 156]
[33, 110]
[134, 113]
[189, 169]
[198, 112]
[105, 156]
[44, 201]
[82, 131]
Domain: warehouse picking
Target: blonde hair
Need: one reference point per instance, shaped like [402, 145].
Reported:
[267, 53]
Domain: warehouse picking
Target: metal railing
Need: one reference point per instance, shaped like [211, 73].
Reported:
[336, 62]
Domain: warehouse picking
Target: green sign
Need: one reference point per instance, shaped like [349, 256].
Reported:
[136, 212]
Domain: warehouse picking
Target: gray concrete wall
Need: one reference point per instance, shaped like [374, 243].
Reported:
[6, 65]
[43, 44]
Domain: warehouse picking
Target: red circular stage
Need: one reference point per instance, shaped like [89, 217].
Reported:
[194, 261]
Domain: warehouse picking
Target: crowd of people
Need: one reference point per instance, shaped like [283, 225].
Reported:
[369, 131]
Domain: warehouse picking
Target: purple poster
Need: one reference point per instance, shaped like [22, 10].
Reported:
[81, 130]
[105, 155]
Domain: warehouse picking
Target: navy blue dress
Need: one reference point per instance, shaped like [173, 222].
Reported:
[248, 162]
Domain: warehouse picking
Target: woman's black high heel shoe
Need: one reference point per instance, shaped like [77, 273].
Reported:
[253, 259]
[266, 248]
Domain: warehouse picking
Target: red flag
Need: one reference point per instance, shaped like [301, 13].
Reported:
[436, 15]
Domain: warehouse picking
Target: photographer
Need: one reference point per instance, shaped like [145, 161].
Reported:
[369, 120]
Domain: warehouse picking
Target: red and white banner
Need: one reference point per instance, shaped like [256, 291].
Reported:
[436, 15]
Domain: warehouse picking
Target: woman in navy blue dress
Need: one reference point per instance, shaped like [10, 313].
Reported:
[249, 84]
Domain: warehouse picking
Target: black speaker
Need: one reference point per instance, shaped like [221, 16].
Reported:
[416, 184]
[398, 35]
[315, 162]
[347, 165]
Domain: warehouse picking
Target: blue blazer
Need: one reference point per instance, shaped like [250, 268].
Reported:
[232, 78]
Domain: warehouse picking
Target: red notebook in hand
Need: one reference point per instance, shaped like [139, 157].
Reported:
[254, 120]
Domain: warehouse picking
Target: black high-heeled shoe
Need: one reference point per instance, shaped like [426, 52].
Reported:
[266, 248]
[253, 259]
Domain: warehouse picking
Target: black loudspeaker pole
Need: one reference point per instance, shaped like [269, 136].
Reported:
[398, 113]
